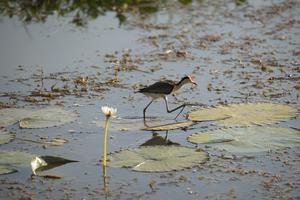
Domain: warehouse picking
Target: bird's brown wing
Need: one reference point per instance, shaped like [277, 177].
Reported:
[161, 87]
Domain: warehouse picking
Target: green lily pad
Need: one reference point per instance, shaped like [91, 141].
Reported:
[9, 116]
[131, 124]
[6, 170]
[122, 124]
[5, 136]
[42, 118]
[245, 114]
[207, 138]
[251, 139]
[9, 160]
[48, 117]
[170, 126]
[158, 158]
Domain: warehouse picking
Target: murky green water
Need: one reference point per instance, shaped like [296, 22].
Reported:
[246, 53]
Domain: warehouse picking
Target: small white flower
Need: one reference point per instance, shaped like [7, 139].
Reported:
[36, 163]
[109, 111]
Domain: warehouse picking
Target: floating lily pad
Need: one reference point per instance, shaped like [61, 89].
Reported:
[9, 160]
[122, 124]
[15, 158]
[48, 117]
[6, 170]
[251, 139]
[245, 114]
[171, 126]
[5, 136]
[208, 137]
[131, 124]
[9, 116]
[158, 158]
[36, 119]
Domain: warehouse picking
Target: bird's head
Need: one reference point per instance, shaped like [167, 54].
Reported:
[188, 79]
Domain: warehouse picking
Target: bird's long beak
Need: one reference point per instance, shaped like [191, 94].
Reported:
[194, 83]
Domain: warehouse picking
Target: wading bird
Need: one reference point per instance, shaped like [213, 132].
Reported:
[161, 89]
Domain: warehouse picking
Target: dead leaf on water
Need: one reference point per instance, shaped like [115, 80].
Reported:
[57, 141]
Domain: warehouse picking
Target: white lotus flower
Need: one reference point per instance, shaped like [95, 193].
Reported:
[109, 111]
[36, 163]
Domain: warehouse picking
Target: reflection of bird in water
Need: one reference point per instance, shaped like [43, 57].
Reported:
[159, 140]
[163, 88]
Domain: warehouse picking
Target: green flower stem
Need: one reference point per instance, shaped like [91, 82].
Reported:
[105, 140]
[105, 182]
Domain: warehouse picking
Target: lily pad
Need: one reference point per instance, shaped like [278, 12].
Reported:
[9, 116]
[251, 139]
[122, 124]
[207, 138]
[9, 160]
[6, 170]
[43, 163]
[245, 114]
[5, 136]
[158, 158]
[170, 126]
[36, 119]
[48, 117]
[15, 158]
[131, 124]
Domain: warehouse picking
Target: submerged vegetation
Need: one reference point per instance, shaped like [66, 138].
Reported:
[81, 11]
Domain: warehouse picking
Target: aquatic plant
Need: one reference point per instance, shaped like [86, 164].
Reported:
[5, 136]
[10, 161]
[42, 118]
[80, 11]
[170, 126]
[108, 112]
[248, 139]
[158, 158]
[245, 114]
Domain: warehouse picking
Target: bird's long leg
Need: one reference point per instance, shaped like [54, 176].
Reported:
[169, 111]
[166, 137]
[144, 112]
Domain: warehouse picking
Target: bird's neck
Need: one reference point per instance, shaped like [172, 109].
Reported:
[179, 85]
